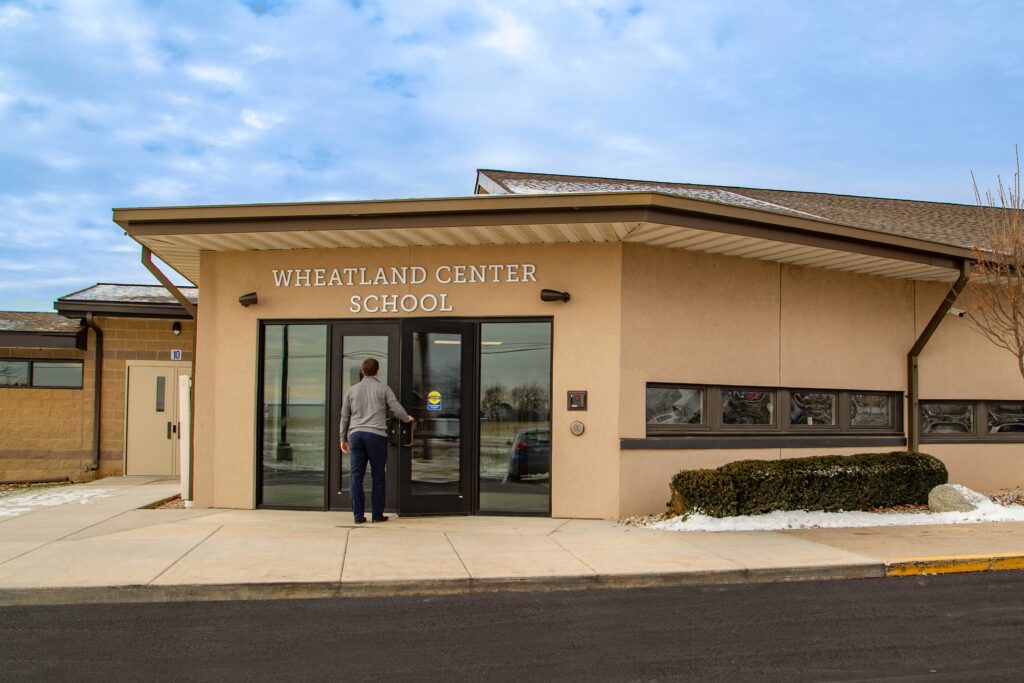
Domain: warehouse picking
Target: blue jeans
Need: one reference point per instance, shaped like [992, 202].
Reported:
[373, 448]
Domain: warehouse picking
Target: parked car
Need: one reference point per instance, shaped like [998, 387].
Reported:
[530, 453]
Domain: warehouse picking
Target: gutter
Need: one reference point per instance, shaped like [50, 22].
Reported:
[913, 387]
[97, 389]
[190, 309]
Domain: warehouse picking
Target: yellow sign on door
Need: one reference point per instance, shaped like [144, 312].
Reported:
[434, 400]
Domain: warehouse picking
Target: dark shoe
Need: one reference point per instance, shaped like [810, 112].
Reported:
[381, 519]
[361, 520]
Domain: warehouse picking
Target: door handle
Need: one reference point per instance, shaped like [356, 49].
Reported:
[412, 433]
[168, 430]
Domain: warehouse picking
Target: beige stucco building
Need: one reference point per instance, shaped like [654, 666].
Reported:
[567, 344]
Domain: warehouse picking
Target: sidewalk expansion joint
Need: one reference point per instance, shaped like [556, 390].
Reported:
[344, 554]
[954, 564]
[574, 555]
[461, 561]
[186, 553]
[559, 527]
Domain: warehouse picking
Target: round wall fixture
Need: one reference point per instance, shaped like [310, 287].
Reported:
[577, 428]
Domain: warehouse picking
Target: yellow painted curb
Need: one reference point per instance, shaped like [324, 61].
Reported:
[919, 566]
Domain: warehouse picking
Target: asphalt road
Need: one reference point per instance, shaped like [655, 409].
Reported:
[959, 627]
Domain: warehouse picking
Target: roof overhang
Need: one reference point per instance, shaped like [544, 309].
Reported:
[78, 309]
[44, 340]
[177, 235]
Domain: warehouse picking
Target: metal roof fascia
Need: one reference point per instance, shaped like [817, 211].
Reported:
[43, 340]
[498, 208]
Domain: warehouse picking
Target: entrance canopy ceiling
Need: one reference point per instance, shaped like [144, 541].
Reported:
[177, 235]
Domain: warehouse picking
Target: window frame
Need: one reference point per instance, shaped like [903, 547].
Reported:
[981, 430]
[32, 372]
[782, 426]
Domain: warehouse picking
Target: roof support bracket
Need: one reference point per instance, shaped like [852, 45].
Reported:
[913, 387]
[147, 261]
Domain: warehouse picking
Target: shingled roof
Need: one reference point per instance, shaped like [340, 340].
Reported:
[32, 321]
[110, 293]
[957, 225]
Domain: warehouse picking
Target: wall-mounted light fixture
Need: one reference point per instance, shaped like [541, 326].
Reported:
[553, 295]
[176, 328]
[248, 299]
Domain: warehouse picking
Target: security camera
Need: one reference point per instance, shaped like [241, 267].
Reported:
[958, 312]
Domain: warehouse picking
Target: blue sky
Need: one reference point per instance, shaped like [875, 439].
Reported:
[118, 103]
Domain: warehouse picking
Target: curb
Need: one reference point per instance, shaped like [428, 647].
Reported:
[955, 564]
[378, 589]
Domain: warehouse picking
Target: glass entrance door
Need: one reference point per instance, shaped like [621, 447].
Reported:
[438, 390]
[351, 344]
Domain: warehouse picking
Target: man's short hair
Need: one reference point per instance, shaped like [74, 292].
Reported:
[370, 367]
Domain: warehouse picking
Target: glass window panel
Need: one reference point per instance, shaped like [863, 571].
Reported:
[748, 407]
[47, 374]
[294, 415]
[355, 350]
[947, 418]
[871, 410]
[515, 417]
[13, 373]
[437, 407]
[675, 406]
[1005, 418]
[161, 393]
[812, 408]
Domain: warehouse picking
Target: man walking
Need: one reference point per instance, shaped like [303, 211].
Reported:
[364, 415]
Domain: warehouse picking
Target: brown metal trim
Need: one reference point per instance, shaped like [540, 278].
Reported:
[147, 261]
[485, 210]
[74, 309]
[97, 388]
[717, 442]
[913, 384]
[43, 340]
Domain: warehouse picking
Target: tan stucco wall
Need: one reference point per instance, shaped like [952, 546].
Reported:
[46, 433]
[585, 352]
[710, 319]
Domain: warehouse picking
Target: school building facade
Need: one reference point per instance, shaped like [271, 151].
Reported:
[568, 343]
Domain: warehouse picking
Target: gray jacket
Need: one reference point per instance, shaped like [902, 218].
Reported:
[365, 408]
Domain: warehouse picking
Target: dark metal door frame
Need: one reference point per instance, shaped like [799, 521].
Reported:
[465, 501]
[341, 499]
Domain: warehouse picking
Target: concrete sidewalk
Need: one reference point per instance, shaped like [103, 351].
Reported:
[104, 548]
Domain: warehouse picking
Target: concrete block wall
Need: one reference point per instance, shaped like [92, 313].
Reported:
[46, 433]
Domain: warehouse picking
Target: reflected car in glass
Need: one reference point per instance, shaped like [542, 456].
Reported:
[530, 453]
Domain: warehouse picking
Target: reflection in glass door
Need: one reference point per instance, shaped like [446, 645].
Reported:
[515, 417]
[353, 343]
[436, 472]
[293, 415]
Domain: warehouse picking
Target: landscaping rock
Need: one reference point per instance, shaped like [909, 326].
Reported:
[954, 498]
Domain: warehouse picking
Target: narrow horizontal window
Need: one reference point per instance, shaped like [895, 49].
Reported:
[871, 411]
[53, 374]
[810, 408]
[748, 407]
[14, 373]
[1005, 418]
[947, 418]
[675, 406]
[740, 415]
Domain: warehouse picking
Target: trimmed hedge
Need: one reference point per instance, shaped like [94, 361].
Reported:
[829, 482]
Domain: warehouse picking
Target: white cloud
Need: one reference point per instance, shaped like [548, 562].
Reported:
[218, 75]
[11, 15]
[510, 36]
[260, 121]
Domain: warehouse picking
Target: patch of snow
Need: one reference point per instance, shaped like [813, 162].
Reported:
[779, 520]
[12, 506]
